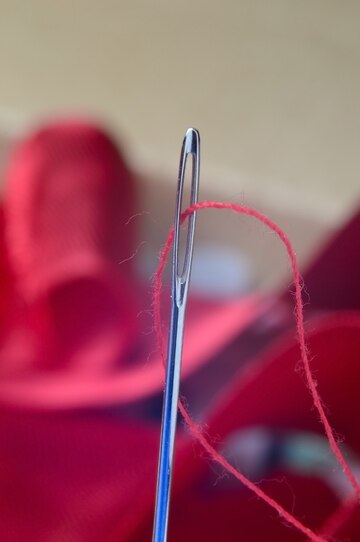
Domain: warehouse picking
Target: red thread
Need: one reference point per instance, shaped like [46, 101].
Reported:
[194, 428]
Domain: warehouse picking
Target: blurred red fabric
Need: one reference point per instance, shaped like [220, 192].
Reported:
[78, 456]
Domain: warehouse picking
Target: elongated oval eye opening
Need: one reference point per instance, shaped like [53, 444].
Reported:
[191, 146]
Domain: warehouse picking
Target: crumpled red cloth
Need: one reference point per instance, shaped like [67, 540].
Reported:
[80, 397]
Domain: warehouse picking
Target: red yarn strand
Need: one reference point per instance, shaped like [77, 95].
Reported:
[311, 383]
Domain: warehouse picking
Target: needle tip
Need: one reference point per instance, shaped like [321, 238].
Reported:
[192, 141]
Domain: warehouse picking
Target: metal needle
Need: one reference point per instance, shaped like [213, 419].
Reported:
[180, 288]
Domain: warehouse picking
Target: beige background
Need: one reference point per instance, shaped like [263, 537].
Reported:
[274, 88]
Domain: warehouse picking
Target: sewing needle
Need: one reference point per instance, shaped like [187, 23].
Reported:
[179, 292]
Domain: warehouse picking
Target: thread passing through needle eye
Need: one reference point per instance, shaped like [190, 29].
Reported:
[180, 287]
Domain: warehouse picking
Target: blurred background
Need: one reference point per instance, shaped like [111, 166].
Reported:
[273, 88]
